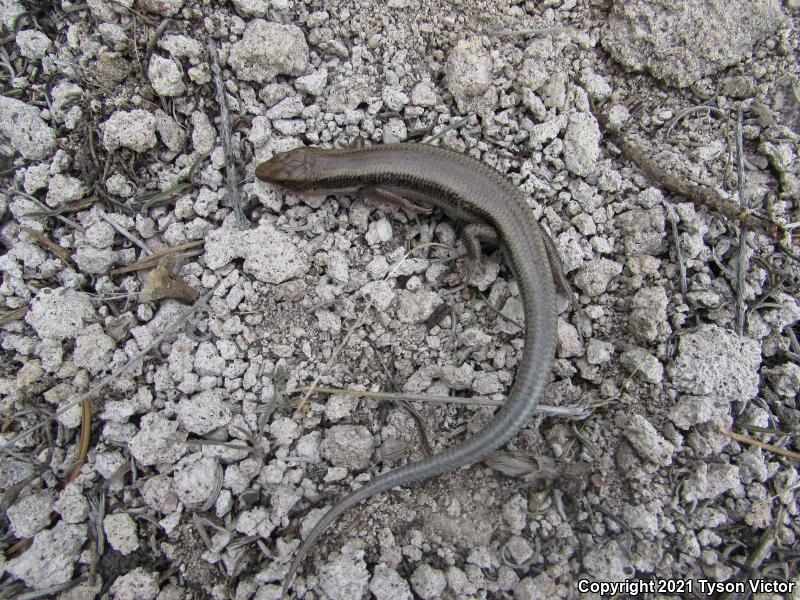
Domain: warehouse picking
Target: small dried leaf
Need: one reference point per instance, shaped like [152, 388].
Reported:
[160, 284]
[538, 468]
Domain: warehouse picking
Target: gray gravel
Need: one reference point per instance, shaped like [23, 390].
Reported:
[203, 472]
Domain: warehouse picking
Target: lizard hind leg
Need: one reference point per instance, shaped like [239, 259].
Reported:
[473, 234]
[558, 272]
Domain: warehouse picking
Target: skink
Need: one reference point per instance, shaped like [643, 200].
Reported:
[470, 192]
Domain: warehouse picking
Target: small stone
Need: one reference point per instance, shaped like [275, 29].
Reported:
[581, 144]
[598, 351]
[423, 95]
[270, 255]
[468, 76]
[156, 443]
[59, 313]
[287, 108]
[640, 362]
[518, 549]
[51, 558]
[166, 76]
[346, 576]
[387, 584]
[267, 50]
[595, 276]
[541, 587]
[608, 562]
[733, 372]
[648, 318]
[135, 129]
[313, 83]
[195, 482]
[427, 582]
[137, 584]
[165, 8]
[30, 514]
[710, 481]
[72, 504]
[204, 412]
[284, 431]
[32, 44]
[569, 343]
[416, 307]
[93, 349]
[159, 493]
[94, 261]
[379, 231]
[349, 446]
[121, 532]
[647, 442]
[394, 99]
[25, 129]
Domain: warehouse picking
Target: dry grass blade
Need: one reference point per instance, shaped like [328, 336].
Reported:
[763, 445]
[741, 255]
[83, 447]
[60, 252]
[179, 322]
[152, 260]
[578, 411]
[231, 179]
[360, 321]
[13, 315]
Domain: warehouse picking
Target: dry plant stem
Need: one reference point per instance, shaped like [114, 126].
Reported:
[152, 260]
[83, 448]
[759, 553]
[93, 392]
[526, 33]
[763, 445]
[61, 587]
[360, 319]
[13, 315]
[124, 233]
[225, 134]
[685, 113]
[10, 495]
[704, 196]
[151, 45]
[58, 251]
[46, 210]
[741, 258]
[452, 127]
[673, 221]
[575, 412]
[699, 194]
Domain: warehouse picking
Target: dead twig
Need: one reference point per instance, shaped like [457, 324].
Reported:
[225, 133]
[83, 446]
[741, 256]
[13, 315]
[60, 252]
[153, 259]
[763, 445]
[577, 411]
[151, 45]
[699, 194]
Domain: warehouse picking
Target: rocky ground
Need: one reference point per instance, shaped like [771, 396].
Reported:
[158, 306]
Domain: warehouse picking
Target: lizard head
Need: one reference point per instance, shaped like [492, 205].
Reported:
[291, 170]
